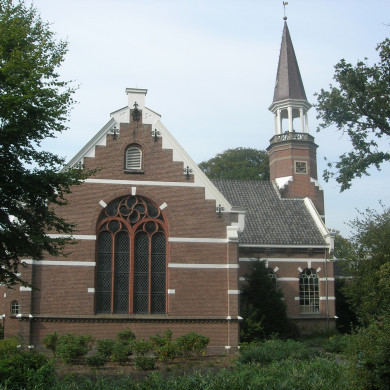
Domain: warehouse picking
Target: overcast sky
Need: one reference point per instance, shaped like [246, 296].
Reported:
[210, 68]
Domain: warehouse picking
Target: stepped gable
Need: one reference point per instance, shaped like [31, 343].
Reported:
[270, 220]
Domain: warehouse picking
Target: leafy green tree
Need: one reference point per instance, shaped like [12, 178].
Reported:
[34, 105]
[238, 164]
[368, 262]
[360, 107]
[262, 306]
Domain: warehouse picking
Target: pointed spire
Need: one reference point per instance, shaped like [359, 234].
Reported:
[289, 83]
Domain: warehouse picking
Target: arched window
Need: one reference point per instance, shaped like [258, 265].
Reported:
[133, 158]
[131, 258]
[14, 308]
[309, 291]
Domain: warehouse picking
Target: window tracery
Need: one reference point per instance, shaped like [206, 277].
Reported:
[131, 260]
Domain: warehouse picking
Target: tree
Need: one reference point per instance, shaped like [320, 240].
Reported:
[368, 262]
[262, 306]
[34, 104]
[238, 164]
[360, 107]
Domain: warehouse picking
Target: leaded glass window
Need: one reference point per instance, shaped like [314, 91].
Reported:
[131, 258]
[309, 291]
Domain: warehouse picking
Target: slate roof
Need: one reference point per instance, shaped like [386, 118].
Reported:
[270, 220]
[289, 83]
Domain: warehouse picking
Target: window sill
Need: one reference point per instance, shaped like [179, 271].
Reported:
[135, 171]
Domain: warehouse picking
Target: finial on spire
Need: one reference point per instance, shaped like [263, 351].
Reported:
[284, 9]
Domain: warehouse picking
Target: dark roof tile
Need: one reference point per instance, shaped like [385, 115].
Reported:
[269, 219]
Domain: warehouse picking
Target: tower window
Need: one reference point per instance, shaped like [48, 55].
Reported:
[14, 308]
[309, 291]
[131, 258]
[133, 158]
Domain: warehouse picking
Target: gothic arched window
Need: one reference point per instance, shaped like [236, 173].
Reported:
[309, 291]
[131, 258]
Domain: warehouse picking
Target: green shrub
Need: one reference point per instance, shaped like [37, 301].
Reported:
[72, 348]
[96, 360]
[144, 363]
[275, 350]
[369, 352]
[121, 352]
[51, 341]
[337, 343]
[164, 348]
[126, 336]
[105, 347]
[26, 370]
[165, 352]
[142, 347]
[8, 347]
[192, 344]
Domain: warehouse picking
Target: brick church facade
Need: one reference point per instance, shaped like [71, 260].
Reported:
[160, 246]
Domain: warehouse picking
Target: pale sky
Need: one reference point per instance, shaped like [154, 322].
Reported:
[210, 68]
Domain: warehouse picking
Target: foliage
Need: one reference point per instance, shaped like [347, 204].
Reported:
[105, 347]
[192, 344]
[26, 370]
[262, 306]
[125, 336]
[346, 317]
[368, 262]
[71, 348]
[369, 351]
[51, 341]
[359, 106]
[317, 373]
[337, 343]
[142, 347]
[8, 347]
[164, 348]
[97, 360]
[34, 105]
[121, 352]
[238, 164]
[144, 363]
[275, 350]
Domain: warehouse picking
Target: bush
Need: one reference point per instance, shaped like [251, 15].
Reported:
[142, 347]
[96, 360]
[51, 341]
[369, 352]
[126, 336]
[8, 347]
[121, 352]
[71, 348]
[275, 350]
[164, 348]
[192, 343]
[105, 347]
[144, 363]
[26, 370]
[337, 343]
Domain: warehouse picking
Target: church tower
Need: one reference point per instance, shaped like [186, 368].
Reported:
[292, 151]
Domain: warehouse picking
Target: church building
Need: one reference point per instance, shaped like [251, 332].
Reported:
[160, 246]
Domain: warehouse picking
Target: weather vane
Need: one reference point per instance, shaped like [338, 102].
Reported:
[284, 9]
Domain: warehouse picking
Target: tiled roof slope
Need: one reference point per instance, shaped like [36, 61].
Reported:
[270, 220]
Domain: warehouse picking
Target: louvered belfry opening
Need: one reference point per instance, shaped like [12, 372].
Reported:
[131, 258]
[133, 159]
